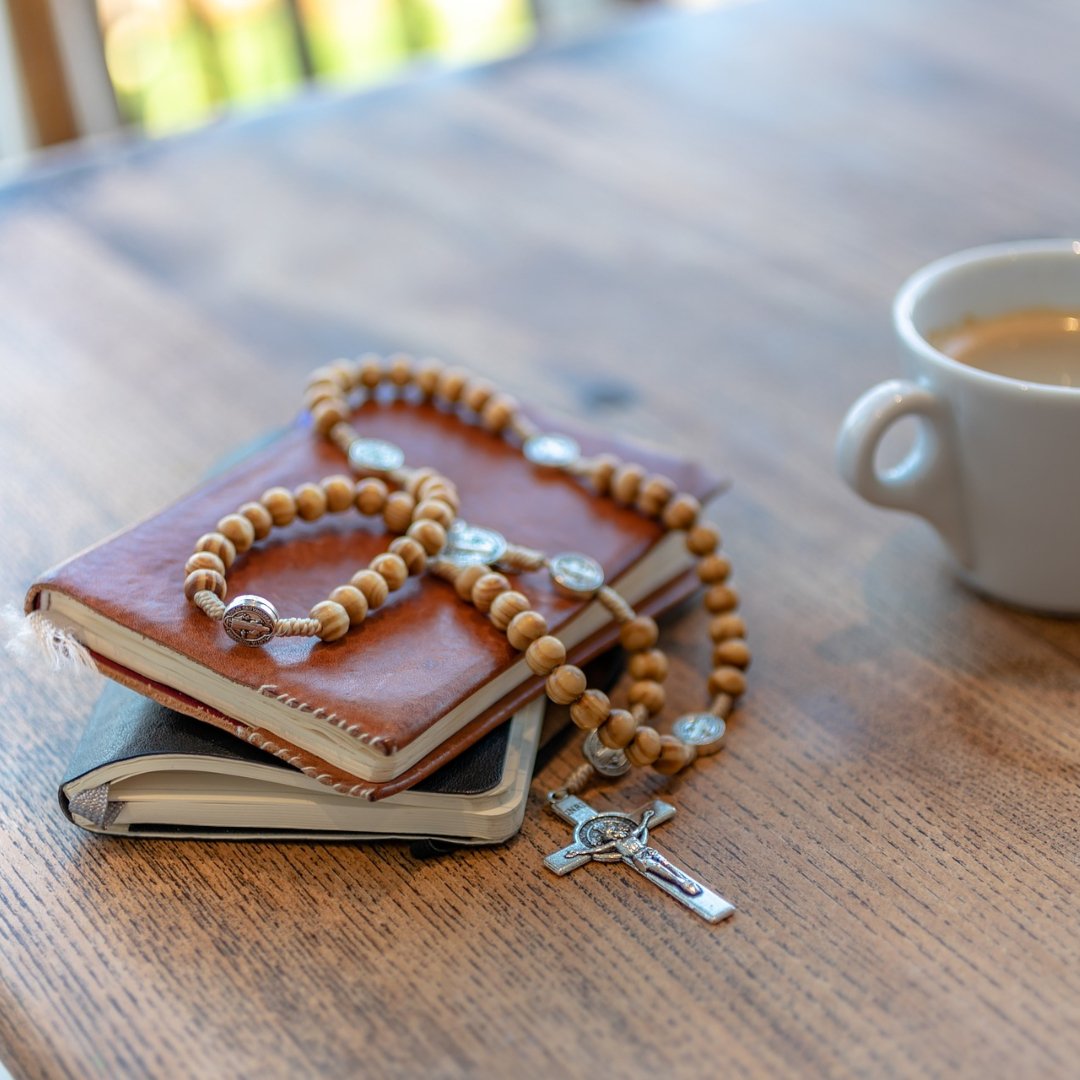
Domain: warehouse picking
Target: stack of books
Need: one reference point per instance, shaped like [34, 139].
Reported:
[423, 722]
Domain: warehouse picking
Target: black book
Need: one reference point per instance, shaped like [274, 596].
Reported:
[144, 770]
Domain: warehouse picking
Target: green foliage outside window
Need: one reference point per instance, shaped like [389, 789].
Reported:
[175, 63]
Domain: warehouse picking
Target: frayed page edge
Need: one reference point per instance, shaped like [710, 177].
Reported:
[36, 643]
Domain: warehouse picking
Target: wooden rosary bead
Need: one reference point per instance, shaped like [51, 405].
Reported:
[239, 530]
[325, 415]
[645, 748]
[371, 496]
[340, 491]
[487, 587]
[451, 384]
[371, 372]
[681, 513]
[323, 374]
[320, 391]
[335, 372]
[426, 482]
[638, 633]
[441, 488]
[417, 479]
[713, 569]
[617, 731]
[649, 693]
[475, 396]
[651, 664]
[525, 628]
[353, 601]
[220, 545]
[345, 371]
[412, 554]
[343, 435]
[506, 607]
[498, 413]
[435, 510]
[656, 492]
[727, 680]
[731, 653]
[442, 491]
[590, 710]
[434, 483]
[720, 599]
[280, 504]
[430, 534]
[566, 684]
[427, 377]
[210, 580]
[626, 483]
[602, 470]
[261, 520]
[466, 578]
[333, 620]
[675, 755]
[400, 371]
[204, 560]
[727, 626]
[372, 585]
[545, 654]
[392, 569]
[702, 539]
[398, 511]
[324, 377]
[310, 502]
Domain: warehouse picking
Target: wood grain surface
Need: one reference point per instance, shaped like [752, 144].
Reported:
[689, 231]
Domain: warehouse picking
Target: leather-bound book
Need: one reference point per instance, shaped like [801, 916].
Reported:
[426, 674]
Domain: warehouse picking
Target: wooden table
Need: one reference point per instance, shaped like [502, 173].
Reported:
[689, 231]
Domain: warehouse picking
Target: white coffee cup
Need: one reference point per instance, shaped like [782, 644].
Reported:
[996, 463]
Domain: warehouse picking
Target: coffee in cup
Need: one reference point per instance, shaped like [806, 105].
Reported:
[1033, 345]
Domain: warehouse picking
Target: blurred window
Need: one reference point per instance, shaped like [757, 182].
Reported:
[174, 63]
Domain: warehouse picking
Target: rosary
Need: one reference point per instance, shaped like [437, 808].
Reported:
[420, 507]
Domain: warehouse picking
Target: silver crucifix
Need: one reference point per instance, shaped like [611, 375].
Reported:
[615, 837]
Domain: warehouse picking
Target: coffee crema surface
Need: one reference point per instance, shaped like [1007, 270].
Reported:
[1039, 345]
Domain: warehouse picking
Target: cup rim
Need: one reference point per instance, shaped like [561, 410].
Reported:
[919, 282]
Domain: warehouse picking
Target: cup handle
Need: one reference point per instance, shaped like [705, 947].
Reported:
[924, 483]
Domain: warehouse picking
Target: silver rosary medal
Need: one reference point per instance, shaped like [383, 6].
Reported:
[606, 761]
[703, 731]
[552, 450]
[576, 574]
[375, 455]
[250, 620]
[468, 544]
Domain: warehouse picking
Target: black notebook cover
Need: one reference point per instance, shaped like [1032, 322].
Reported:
[125, 725]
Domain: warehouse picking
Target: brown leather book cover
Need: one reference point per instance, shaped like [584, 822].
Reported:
[422, 653]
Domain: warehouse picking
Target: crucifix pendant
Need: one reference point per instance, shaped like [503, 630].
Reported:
[615, 837]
